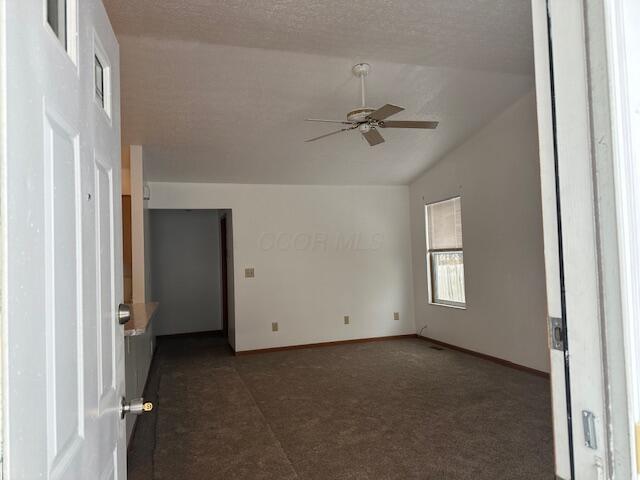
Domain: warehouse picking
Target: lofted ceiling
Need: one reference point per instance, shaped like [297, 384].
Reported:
[218, 91]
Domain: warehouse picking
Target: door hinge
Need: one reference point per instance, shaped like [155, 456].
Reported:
[556, 333]
[638, 447]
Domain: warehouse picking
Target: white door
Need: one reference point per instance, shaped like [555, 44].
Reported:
[64, 364]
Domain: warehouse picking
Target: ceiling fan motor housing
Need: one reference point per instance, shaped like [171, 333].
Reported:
[359, 114]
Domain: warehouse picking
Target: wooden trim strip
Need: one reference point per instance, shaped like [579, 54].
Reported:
[324, 344]
[205, 333]
[500, 361]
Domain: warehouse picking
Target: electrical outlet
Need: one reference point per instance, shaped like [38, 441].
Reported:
[346, 319]
[396, 315]
[249, 272]
[274, 326]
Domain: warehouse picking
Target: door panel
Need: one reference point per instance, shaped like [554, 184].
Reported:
[63, 297]
[64, 368]
[105, 278]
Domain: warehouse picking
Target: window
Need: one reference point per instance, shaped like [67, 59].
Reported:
[57, 19]
[445, 265]
[61, 17]
[101, 77]
[99, 80]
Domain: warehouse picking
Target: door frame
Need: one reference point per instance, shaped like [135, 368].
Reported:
[224, 290]
[576, 86]
[3, 216]
[622, 32]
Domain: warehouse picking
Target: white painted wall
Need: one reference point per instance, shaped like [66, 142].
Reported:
[497, 174]
[185, 267]
[137, 224]
[319, 253]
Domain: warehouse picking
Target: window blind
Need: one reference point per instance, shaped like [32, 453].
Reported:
[444, 225]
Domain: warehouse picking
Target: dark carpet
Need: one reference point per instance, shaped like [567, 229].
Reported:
[384, 410]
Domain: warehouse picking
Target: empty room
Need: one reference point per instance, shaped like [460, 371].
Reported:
[421, 226]
[317, 240]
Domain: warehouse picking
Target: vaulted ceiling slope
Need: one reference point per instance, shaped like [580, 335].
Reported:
[217, 91]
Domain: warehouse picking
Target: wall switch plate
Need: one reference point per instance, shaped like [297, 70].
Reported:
[346, 319]
[396, 315]
[274, 326]
[249, 272]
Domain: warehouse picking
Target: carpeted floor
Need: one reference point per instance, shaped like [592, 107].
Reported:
[384, 410]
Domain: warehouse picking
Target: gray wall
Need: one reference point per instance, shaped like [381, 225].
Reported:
[185, 270]
[496, 172]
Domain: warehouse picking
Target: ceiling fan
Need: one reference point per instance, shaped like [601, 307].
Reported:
[368, 120]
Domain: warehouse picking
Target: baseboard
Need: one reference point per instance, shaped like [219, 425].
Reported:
[500, 361]
[323, 344]
[206, 333]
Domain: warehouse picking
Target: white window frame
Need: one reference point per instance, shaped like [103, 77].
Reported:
[106, 104]
[429, 261]
[71, 28]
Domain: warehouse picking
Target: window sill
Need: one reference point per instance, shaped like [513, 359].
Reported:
[457, 307]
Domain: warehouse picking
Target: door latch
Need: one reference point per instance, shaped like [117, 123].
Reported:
[556, 333]
[136, 406]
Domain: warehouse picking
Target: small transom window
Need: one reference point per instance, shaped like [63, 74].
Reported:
[99, 80]
[57, 19]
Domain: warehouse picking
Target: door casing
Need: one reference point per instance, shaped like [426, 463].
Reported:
[594, 325]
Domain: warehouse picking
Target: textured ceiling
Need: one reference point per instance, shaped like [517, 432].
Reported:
[211, 107]
[474, 34]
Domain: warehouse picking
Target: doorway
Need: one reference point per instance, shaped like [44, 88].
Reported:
[190, 267]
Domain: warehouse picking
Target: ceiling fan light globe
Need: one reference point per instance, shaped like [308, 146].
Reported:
[364, 128]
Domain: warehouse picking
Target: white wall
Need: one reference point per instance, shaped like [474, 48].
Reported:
[497, 174]
[185, 267]
[319, 253]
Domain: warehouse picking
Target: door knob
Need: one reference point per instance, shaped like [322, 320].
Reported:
[124, 313]
[136, 406]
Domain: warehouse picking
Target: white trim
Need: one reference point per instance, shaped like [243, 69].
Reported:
[624, 74]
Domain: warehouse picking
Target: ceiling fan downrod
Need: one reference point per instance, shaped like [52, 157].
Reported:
[361, 70]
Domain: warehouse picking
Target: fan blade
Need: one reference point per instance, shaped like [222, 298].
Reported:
[408, 124]
[386, 111]
[373, 137]
[327, 121]
[329, 134]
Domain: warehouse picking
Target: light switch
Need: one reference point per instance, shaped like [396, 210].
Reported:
[396, 315]
[346, 319]
[274, 326]
[249, 272]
